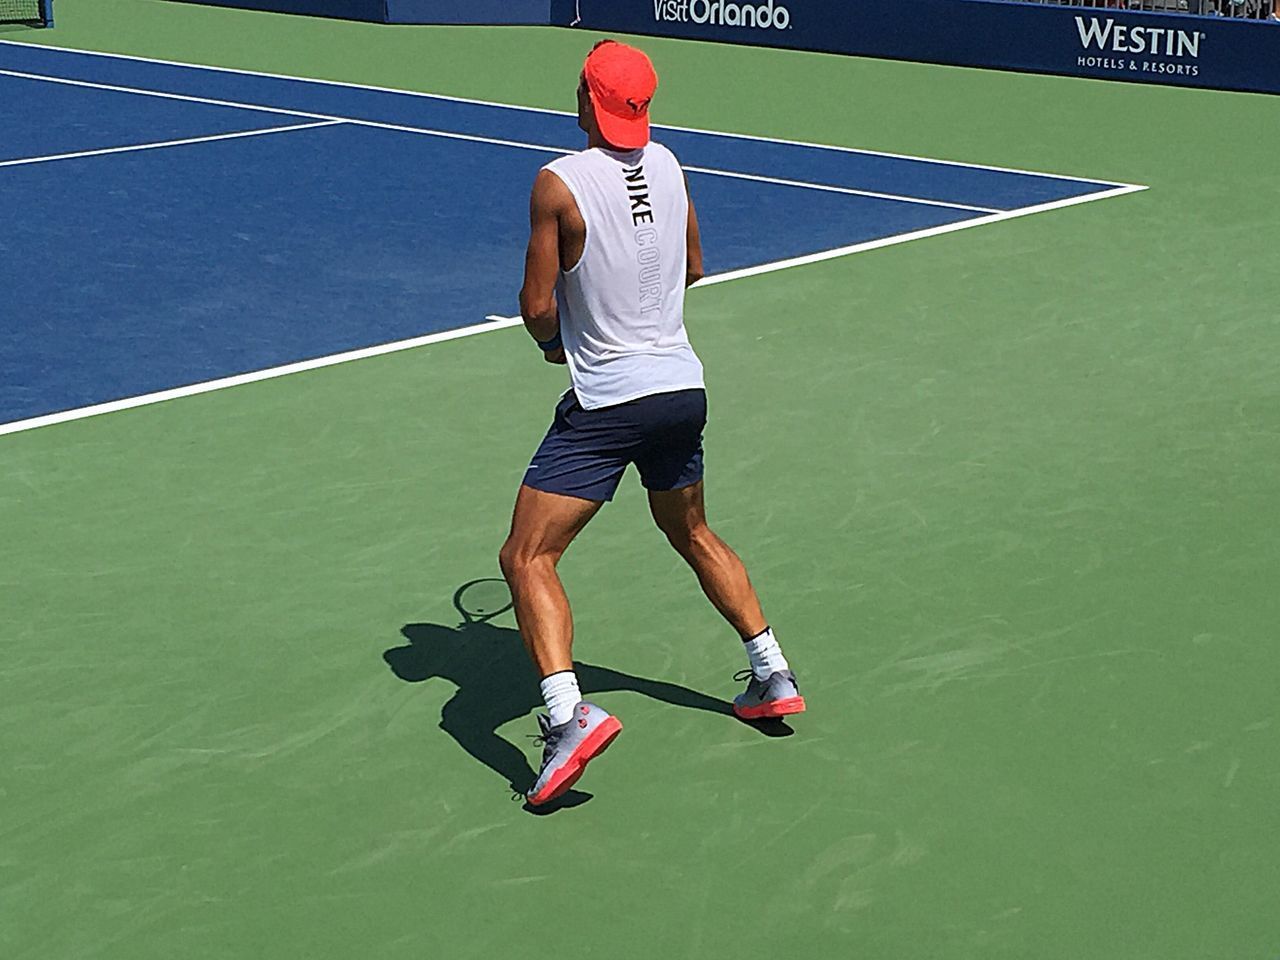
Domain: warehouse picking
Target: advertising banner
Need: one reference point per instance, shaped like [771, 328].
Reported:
[1041, 38]
[535, 12]
[469, 11]
[374, 11]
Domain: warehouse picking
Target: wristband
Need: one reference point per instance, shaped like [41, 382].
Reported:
[555, 343]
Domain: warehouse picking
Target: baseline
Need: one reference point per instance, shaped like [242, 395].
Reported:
[496, 322]
[208, 386]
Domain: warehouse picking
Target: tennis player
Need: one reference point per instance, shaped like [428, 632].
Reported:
[613, 245]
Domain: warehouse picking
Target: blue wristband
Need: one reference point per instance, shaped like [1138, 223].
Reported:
[555, 343]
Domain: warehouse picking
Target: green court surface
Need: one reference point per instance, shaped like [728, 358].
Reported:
[1009, 494]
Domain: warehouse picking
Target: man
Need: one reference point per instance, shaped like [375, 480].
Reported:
[613, 244]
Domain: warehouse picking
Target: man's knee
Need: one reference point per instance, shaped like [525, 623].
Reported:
[516, 557]
[691, 541]
[509, 558]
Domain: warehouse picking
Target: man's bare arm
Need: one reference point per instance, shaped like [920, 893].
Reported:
[694, 243]
[542, 260]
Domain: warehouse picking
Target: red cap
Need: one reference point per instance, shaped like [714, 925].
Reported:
[622, 82]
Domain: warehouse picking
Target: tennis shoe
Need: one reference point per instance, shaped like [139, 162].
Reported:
[775, 696]
[568, 748]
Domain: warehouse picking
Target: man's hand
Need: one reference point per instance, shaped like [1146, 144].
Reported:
[555, 356]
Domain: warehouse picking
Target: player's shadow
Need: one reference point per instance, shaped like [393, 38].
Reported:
[496, 684]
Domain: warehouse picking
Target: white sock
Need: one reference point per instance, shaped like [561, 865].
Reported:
[560, 691]
[765, 654]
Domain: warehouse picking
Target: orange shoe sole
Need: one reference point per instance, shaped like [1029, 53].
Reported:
[771, 710]
[587, 751]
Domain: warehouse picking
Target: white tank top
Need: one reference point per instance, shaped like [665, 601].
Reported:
[622, 304]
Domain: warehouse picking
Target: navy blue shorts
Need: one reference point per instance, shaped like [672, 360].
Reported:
[586, 452]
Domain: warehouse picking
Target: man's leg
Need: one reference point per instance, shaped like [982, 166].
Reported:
[681, 515]
[542, 527]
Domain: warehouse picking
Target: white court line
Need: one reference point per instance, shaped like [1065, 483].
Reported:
[466, 137]
[503, 323]
[167, 143]
[128, 403]
[558, 113]
[914, 235]
[258, 108]
[849, 190]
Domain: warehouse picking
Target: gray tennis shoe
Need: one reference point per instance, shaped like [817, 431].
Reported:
[568, 748]
[775, 696]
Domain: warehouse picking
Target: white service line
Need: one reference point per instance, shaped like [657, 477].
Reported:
[259, 108]
[558, 113]
[128, 403]
[467, 137]
[495, 322]
[167, 143]
[282, 112]
[848, 190]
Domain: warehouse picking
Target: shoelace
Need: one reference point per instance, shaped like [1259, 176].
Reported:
[541, 739]
[746, 674]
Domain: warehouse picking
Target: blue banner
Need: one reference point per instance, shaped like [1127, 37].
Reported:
[374, 11]
[533, 12]
[469, 11]
[1084, 42]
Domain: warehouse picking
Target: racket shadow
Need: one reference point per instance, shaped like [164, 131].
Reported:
[496, 685]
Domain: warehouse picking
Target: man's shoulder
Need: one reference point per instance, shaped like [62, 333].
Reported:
[571, 167]
[572, 159]
[662, 158]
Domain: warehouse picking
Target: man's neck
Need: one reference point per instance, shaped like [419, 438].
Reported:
[594, 141]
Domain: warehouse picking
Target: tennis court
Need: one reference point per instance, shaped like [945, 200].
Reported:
[399, 217]
[992, 365]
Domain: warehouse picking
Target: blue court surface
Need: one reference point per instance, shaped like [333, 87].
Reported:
[168, 225]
